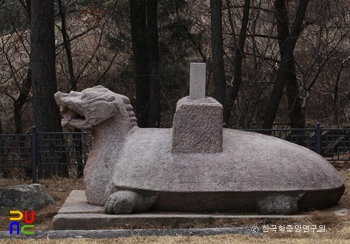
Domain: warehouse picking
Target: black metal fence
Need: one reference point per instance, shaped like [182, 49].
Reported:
[331, 143]
[45, 153]
[66, 153]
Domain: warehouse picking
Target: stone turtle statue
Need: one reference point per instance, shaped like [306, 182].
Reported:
[196, 166]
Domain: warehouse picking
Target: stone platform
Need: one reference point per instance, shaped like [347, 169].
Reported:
[77, 214]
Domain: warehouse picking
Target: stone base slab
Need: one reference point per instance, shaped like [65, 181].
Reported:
[77, 214]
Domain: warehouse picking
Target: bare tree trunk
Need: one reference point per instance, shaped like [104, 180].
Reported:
[296, 116]
[141, 62]
[286, 63]
[66, 43]
[42, 59]
[218, 52]
[238, 62]
[152, 34]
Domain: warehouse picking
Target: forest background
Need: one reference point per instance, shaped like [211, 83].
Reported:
[269, 62]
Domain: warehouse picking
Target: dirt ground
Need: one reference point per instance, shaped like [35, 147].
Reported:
[335, 226]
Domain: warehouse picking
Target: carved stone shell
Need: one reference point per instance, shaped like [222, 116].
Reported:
[249, 162]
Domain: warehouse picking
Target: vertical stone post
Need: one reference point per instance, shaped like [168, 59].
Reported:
[197, 81]
[197, 125]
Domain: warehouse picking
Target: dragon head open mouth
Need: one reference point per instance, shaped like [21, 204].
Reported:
[87, 109]
[69, 114]
[72, 115]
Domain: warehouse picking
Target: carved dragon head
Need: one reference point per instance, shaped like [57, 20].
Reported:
[92, 106]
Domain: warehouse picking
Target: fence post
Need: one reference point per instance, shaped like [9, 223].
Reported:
[318, 139]
[34, 151]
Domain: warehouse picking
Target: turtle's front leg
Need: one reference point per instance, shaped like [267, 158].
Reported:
[125, 202]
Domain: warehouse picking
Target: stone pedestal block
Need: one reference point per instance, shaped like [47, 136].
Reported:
[197, 126]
